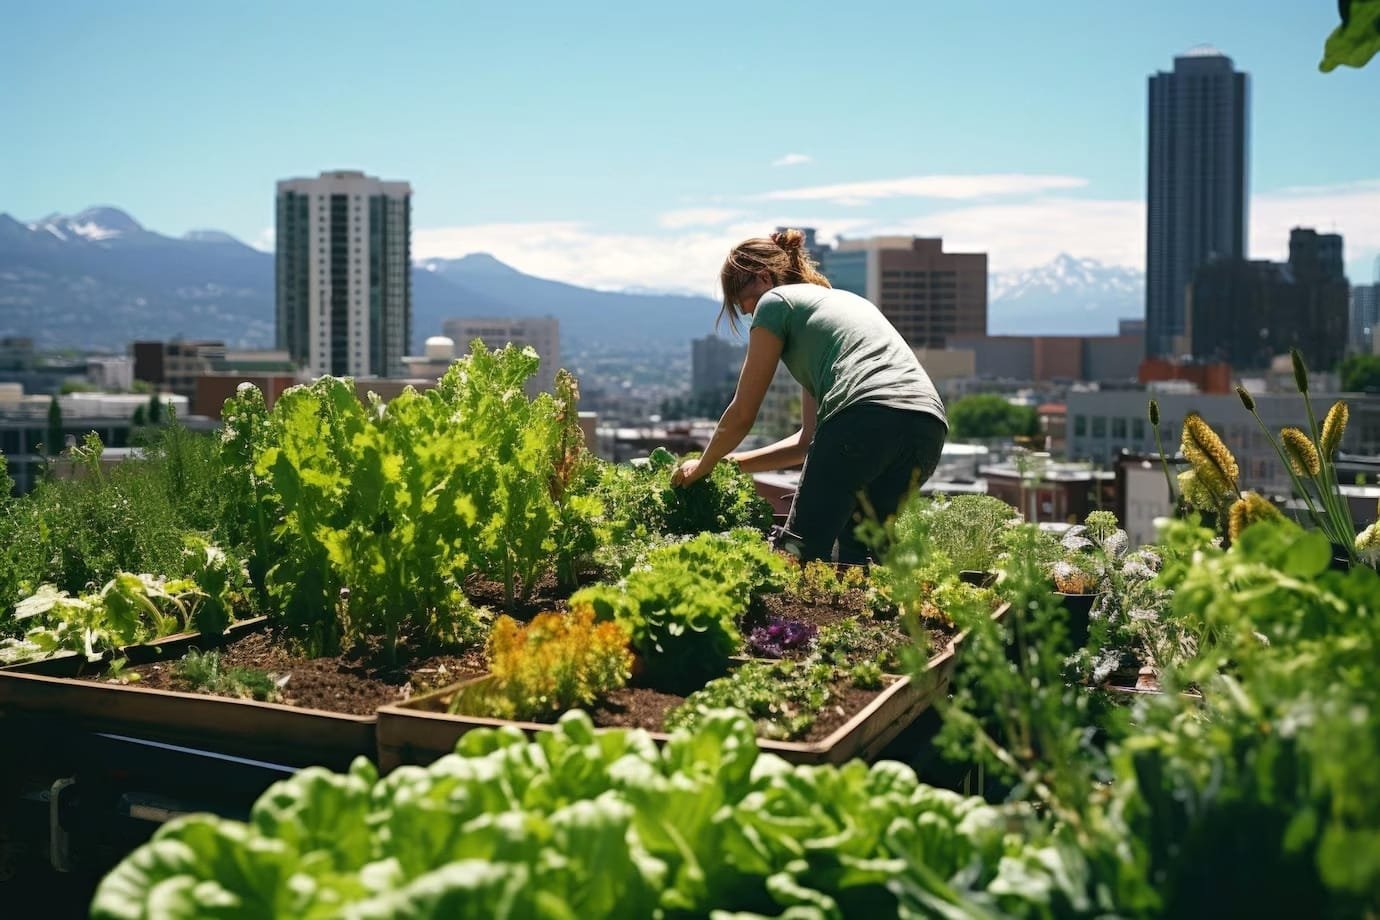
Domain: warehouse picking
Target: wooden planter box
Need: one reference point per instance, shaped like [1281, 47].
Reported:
[272, 732]
[420, 730]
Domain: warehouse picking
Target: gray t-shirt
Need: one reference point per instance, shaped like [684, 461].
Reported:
[843, 351]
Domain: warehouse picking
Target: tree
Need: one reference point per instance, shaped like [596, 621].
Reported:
[155, 410]
[987, 415]
[1361, 374]
[140, 417]
[54, 439]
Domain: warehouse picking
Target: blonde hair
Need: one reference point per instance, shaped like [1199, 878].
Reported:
[781, 256]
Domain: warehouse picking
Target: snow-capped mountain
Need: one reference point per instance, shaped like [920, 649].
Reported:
[93, 225]
[99, 279]
[1067, 296]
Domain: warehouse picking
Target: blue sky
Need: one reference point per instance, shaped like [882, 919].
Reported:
[627, 144]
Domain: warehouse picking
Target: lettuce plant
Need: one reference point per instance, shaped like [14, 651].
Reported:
[601, 824]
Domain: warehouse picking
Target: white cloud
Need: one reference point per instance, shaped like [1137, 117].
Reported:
[949, 187]
[265, 240]
[1351, 209]
[697, 217]
[686, 253]
[793, 159]
[575, 252]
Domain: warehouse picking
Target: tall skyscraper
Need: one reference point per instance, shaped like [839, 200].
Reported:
[344, 281]
[927, 293]
[1199, 116]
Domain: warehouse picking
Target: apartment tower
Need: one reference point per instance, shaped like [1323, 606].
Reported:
[344, 285]
[927, 294]
[1196, 196]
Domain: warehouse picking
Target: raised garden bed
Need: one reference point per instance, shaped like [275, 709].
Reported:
[77, 695]
[421, 729]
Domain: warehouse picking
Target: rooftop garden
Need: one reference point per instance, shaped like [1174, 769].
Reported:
[634, 692]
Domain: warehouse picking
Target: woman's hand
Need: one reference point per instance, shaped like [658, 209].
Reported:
[688, 472]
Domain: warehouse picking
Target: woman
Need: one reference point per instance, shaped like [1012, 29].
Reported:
[873, 425]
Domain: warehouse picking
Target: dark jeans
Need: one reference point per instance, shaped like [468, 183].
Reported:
[862, 464]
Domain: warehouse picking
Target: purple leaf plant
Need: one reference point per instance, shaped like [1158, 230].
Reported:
[777, 637]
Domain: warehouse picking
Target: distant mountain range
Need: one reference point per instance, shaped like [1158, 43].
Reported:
[99, 280]
[1068, 296]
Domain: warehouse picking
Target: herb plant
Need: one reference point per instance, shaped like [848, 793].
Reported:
[204, 672]
[541, 669]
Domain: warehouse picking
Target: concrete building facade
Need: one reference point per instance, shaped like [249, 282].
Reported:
[1104, 424]
[928, 294]
[344, 273]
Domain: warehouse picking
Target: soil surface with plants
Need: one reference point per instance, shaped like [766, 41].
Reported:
[349, 684]
[644, 707]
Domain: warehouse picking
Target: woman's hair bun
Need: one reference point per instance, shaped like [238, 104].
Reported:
[789, 240]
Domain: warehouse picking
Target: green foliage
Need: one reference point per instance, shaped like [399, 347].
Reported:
[579, 824]
[1265, 798]
[965, 528]
[130, 609]
[819, 582]
[681, 611]
[783, 698]
[987, 415]
[1357, 39]
[644, 499]
[78, 533]
[1360, 374]
[860, 640]
[206, 673]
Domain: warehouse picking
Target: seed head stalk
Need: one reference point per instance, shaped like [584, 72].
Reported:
[1299, 486]
[1159, 446]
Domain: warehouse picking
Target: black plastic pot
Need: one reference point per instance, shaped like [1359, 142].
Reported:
[1079, 607]
[1341, 558]
[980, 579]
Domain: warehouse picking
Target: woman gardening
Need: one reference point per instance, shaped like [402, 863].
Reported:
[872, 424]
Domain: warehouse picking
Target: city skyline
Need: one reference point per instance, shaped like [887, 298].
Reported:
[634, 157]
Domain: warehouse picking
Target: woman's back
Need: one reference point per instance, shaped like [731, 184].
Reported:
[841, 349]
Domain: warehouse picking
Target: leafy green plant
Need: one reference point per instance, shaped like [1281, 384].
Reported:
[783, 698]
[1357, 39]
[966, 528]
[681, 611]
[130, 609]
[204, 672]
[556, 662]
[594, 825]
[644, 498]
[819, 582]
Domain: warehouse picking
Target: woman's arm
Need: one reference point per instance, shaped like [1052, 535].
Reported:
[789, 451]
[763, 354]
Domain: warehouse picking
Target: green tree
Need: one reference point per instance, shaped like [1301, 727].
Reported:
[155, 410]
[140, 418]
[54, 440]
[1361, 374]
[987, 415]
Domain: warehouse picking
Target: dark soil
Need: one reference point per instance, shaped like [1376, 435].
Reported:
[546, 596]
[343, 683]
[643, 707]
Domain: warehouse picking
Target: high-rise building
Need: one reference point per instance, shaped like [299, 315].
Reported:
[543, 333]
[344, 283]
[1197, 192]
[714, 364]
[927, 294]
[1365, 316]
[1247, 312]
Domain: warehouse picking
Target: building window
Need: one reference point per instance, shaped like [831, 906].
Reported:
[1119, 428]
[1138, 429]
[1080, 426]
[1099, 426]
